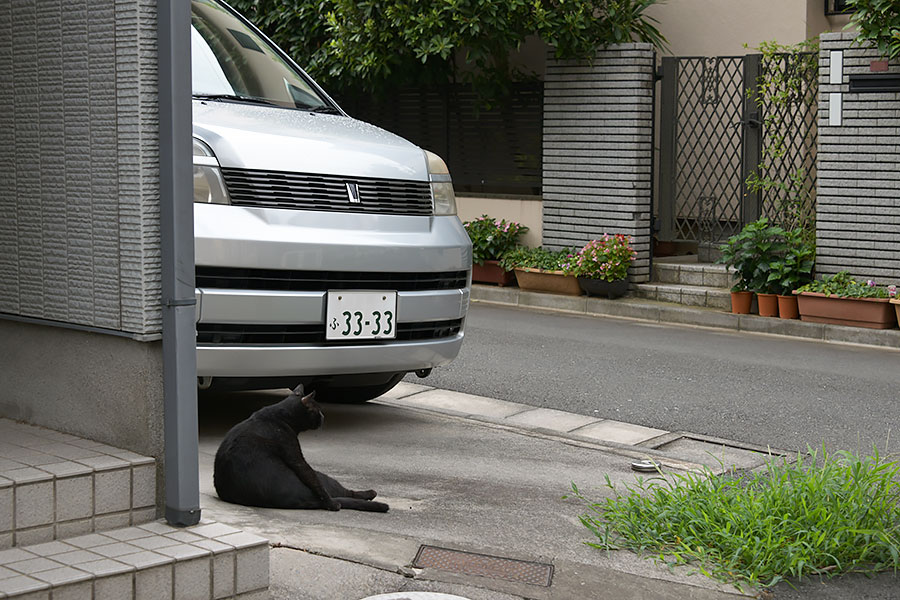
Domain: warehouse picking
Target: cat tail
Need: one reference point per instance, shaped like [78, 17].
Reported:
[357, 504]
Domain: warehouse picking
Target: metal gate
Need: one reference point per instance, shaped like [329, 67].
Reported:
[714, 135]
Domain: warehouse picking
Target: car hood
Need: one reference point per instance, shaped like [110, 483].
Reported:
[267, 138]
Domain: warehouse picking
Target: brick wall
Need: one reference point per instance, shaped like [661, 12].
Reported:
[858, 209]
[79, 197]
[597, 149]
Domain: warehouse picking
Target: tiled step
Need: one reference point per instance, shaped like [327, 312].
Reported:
[686, 273]
[688, 295]
[54, 485]
[153, 561]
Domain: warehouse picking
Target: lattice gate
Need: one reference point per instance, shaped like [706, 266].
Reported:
[714, 135]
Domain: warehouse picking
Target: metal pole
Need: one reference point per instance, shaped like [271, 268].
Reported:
[751, 132]
[667, 132]
[182, 477]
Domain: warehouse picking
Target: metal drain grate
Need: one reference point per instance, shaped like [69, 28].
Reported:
[471, 563]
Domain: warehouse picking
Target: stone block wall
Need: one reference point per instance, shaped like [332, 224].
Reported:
[598, 149]
[858, 199]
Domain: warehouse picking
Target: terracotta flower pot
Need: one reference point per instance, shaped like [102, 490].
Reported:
[555, 282]
[787, 307]
[872, 313]
[492, 272]
[896, 303]
[598, 287]
[768, 305]
[740, 302]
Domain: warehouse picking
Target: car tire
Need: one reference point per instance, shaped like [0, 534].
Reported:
[337, 394]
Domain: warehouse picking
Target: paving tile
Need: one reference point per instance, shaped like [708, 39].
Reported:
[34, 535]
[7, 573]
[103, 462]
[548, 418]
[129, 533]
[252, 569]
[223, 575]
[27, 475]
[6, 509]
[154, 583]
[68, 451]
[33, 565]
[34, 504]
[51, 548]
[212, 530]
[74, 591]
[89, 541]
[15, 555]
[154, 543]
[616, 431]
[74, 497]
[7, 464]
[62, 576]
[460, 403]
[143, 486]
[68, 529]
[185, 537]
[22, 584]
[112, 491]
[145, 559]
[76, 557]
[115, 550]
[192, 579]
[159, 527]
[140, 516]
[117, 587]
[105, 567]
[184, 551]
[113, 521]
[213, 546]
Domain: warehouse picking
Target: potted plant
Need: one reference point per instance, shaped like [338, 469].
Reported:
[793, 270]
[894, 299]
[840, 300]
[601, 266]
[750, 253]
[491, 239]
[543, 270]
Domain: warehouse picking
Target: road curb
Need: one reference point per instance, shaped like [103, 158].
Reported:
[665, 312]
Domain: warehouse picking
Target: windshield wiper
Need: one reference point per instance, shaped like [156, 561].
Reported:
[235, 98]
[327, 110]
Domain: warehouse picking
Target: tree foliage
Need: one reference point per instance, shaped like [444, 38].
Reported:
[377, 44]
[878, 22]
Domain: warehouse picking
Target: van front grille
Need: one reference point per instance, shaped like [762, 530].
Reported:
[218, 334]
[305, 191]
[315, 281]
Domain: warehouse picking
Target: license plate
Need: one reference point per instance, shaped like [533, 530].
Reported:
[361, 315]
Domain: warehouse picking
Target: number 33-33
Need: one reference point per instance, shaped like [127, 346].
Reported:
[353, 322]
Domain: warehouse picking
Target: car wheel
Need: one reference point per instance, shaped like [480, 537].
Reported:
[337, 394]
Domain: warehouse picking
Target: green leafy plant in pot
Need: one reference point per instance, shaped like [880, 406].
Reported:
[792, 270]
[544, 270]
[491, 239]
[751, 253]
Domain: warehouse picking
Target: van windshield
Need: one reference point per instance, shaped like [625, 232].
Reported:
[230, 61]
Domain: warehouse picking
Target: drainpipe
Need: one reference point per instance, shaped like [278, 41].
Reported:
[182, 477]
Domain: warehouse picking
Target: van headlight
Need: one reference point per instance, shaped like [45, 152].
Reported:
[443, 198]
[209, 187]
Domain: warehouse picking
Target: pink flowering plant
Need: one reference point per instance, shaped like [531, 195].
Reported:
[607, 258]
[492, 238]
[841, 284]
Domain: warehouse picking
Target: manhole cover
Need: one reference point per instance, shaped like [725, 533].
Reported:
[471, 563]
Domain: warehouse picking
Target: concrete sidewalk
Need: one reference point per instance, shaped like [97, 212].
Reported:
[462, 473]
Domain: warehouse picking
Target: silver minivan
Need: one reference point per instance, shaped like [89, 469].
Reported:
[328, 251]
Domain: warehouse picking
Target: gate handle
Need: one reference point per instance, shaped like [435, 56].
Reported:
[754, 123]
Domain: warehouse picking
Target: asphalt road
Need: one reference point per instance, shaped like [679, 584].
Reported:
[766, 390]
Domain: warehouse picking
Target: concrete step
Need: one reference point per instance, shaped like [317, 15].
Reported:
[687, 273]
[150, 561]
[54, 485]
[688, 295]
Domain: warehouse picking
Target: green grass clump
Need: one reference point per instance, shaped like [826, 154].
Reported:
[820, 515]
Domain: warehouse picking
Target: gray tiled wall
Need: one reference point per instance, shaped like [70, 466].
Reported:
[858, 211]
[597, 149]
[79, 233]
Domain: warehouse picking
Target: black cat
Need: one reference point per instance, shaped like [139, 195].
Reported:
[259, 463]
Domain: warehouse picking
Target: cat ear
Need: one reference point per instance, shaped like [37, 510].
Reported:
[307, 399]
[298, 391]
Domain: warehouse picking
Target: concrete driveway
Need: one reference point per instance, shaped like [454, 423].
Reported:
[477, 483]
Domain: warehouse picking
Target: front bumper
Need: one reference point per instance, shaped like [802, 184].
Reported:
[251, 238]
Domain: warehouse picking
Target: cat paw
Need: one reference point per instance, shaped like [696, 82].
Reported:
[332, 505]
[366, 494]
